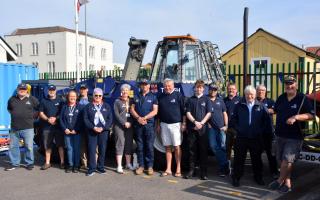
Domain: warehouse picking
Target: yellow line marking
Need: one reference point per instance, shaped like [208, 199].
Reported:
[236, 193]
[200, 186]
[172, 181]
[147, 177]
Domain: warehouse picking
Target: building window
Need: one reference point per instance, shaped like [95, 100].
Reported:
[51, 67]
[260, 67]
[80, 50]
[35, 49]
[51, 47]
[103, 54]
[91, 52]
[19, 49]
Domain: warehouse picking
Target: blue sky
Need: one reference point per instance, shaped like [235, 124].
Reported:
[219, 21]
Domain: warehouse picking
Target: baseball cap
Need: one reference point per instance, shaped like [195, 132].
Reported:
[52, 87]
[144, 81]
[213, 87]
[22, 86]
[289, 79]
[83, 86]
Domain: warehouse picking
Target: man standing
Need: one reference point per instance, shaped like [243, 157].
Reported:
[84, 100]
[198, 113]
[143, 109]
[22, 108]
[218, 125]
[292, 109]
[251, 121]
[231, 101]
[49, 109]
[172, 124]
[269, 104]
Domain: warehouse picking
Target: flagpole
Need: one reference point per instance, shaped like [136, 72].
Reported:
[85, 30]
[77, 33]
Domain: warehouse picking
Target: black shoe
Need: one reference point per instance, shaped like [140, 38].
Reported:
[101, 171]
[284, 189]
[76, 170]
[62, 166]
[235, 182]
[68, 169]
[189, 175]
[204, 177]
[30, 167]
[274, 185]
[45, 166]
[259, 181]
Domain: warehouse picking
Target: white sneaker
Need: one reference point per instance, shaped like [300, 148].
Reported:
[120, 170]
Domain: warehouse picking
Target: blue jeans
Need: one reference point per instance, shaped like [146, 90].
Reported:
[72, 143]
[145, 138]
[14, 150]
[217, 143]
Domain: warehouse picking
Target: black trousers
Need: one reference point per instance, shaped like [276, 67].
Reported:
[198, 150]
[241, 146]
[273, 166]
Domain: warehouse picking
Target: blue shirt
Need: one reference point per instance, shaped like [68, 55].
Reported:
[171, 107]
[230, 104]
[286, 109]
[217, 109]
[198, 108]
[51, 108]
[144, 104]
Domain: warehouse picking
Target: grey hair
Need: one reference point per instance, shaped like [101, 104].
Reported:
[250, 89]
[125, 86]
[261, 86]
[168, 80]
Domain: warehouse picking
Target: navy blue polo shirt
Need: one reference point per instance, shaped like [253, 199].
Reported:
[218, 107]
[198, 108]
[51, 108]
[286, 109]
[171, 107]
[268, 103]
[230, 104]
[144, 104]
[70, 117]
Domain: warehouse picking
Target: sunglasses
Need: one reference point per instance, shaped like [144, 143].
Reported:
[97, 95]
[289, 83]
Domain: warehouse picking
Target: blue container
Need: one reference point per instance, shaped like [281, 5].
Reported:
[10, 76]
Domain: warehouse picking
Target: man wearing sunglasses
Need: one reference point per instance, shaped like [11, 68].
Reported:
[22, 108]
[292, 109]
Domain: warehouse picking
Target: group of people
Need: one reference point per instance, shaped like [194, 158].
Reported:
[82, 126]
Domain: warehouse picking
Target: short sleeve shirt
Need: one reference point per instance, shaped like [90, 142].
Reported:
[144, 104]
[217, 118]
[286, 109]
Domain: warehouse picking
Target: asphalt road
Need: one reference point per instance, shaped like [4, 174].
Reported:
[55, 184]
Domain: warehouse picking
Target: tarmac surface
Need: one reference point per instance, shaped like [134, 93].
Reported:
[55, 184]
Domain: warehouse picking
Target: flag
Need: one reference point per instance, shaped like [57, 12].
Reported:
[80, 3]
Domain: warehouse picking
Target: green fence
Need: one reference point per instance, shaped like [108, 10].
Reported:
[116, 74]
[272, 76]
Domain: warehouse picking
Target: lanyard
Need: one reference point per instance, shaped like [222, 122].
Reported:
[71, 110]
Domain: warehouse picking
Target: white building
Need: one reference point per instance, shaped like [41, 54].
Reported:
[6, 52]
[53, 49]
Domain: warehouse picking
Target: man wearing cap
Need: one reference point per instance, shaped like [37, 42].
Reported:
[84, 100]
[292, 110]
[143, 109]
[218, 125]
[172, 123]
[98, 120]
[269, 104]
[49, 109]
[22, 108]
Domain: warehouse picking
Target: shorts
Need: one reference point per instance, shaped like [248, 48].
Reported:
[288, 149]
[171, 134]
[52, 136]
